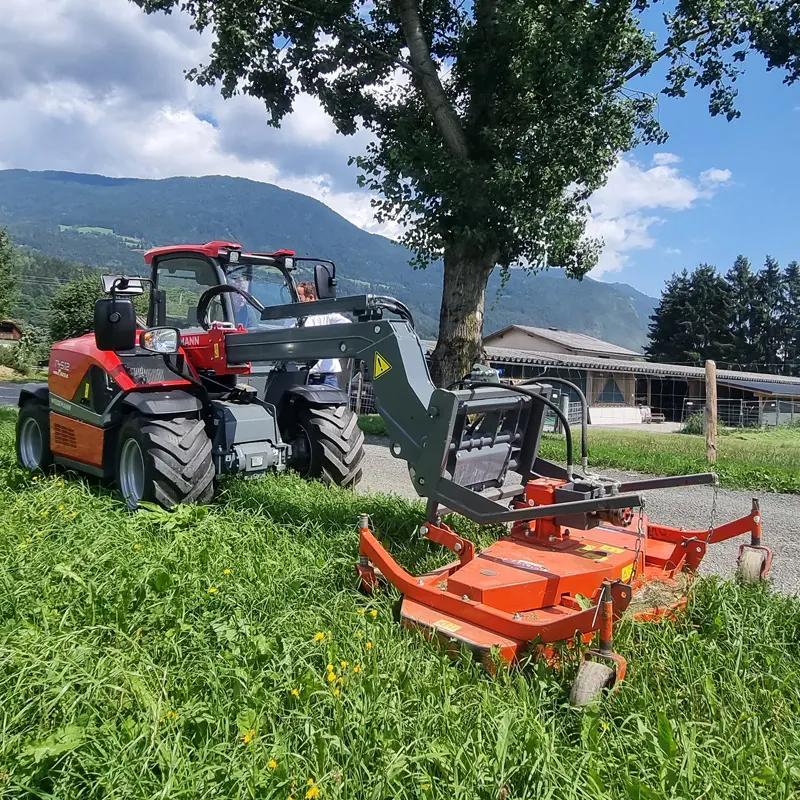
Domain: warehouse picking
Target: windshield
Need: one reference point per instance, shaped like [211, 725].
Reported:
[267, 284]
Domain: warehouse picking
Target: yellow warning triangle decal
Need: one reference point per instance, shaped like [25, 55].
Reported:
[382, 366]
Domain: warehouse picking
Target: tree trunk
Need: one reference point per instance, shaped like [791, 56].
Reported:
[466, 272]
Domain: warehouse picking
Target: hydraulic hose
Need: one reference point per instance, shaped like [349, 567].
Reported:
[584, 414]
[545, 401]
[395, 306]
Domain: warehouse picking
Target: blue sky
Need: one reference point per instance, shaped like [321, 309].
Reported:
[97, 86]
[757, 211]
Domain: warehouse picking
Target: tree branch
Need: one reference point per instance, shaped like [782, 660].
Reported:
[640, 70]
[348, 34]
[444, 114]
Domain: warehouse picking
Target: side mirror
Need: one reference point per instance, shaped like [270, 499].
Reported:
[114, 323]
[122, 284]
[160, 340]
[325, 281]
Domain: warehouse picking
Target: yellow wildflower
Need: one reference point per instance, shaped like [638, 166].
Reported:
[335, 692]
[425, 786]
[313, 790]
[329, 667]
[296, 692]
[374, 612]
[172, 715]
[344, 664]
[248, 737]
[361, 612]
[60, 483]
[331, 677]
[74, 514]
[226, 571]
[272, 763]
[368, 645]
[44, 513]
[340, 681]
[61, 508]
[357, 668]
[36, 477]
[319, 636]
[212, 589]
[136, 546]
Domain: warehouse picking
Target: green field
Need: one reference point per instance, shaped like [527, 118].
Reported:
[768, 460]
[226, 653]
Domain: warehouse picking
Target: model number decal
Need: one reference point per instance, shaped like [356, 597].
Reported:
[61, 368]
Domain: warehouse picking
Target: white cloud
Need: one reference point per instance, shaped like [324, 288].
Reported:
[90, 87]
[714, 176]
[623, 210]
[662, 159]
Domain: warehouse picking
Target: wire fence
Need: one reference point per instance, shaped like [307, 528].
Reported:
[743, 413]
[732, 413]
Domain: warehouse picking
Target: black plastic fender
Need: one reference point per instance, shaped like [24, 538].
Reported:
[320, 395]
[163, 404]
[34, 391]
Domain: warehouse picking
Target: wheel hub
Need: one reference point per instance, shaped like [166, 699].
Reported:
[31, 444]
[131, 472]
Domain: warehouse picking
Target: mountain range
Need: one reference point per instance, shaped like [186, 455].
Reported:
[108, 222]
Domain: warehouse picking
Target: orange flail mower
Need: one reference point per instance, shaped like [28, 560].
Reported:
[546, 582]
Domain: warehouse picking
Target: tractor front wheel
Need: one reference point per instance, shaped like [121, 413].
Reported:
[33, 437]
[328, 445]
[164, 460]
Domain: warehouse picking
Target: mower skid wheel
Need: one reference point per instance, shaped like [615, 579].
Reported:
[592, 679]
[753, 564]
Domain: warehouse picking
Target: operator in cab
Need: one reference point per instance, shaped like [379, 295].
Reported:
[243, 313]
[326, 370]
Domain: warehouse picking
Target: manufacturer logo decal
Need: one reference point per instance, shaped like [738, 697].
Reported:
[382, 366]
[446, 625]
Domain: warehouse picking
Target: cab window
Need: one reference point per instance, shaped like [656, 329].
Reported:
[183, 280]
[267, 284]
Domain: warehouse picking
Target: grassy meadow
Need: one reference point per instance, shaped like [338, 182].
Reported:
[225, 652]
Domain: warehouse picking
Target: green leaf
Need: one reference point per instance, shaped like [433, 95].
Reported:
[666, 740]
[61, 741]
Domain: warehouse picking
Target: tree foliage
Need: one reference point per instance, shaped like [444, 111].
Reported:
[742, 321]
[72, 308]
[493, 121]
[8, 277]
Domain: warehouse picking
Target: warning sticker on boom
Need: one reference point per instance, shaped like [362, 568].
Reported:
[382, 366]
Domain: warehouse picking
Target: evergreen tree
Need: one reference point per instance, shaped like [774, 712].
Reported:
[671, 338]
[742, 283]
[767, 302]
[711, 319]
[692, 322]
[789, 319]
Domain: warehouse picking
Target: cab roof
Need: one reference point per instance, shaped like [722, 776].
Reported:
[210, 249]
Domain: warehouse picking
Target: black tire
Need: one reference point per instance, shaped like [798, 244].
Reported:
[592, 680]
[33, 424]
[329, 445]
[175, 458]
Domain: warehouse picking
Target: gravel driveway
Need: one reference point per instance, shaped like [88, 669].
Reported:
[689, 506]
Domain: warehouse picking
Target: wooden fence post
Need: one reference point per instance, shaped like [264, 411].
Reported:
[711, 412]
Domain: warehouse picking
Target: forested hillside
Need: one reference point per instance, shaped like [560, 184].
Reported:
[107, 222]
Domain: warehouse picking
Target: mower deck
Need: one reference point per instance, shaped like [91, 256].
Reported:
[544, 583]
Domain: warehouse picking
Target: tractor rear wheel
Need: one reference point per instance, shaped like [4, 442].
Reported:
[33, 436]
[328, 445]
[164, 460]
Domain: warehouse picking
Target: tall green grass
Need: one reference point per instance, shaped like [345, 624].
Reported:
[189, 655]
